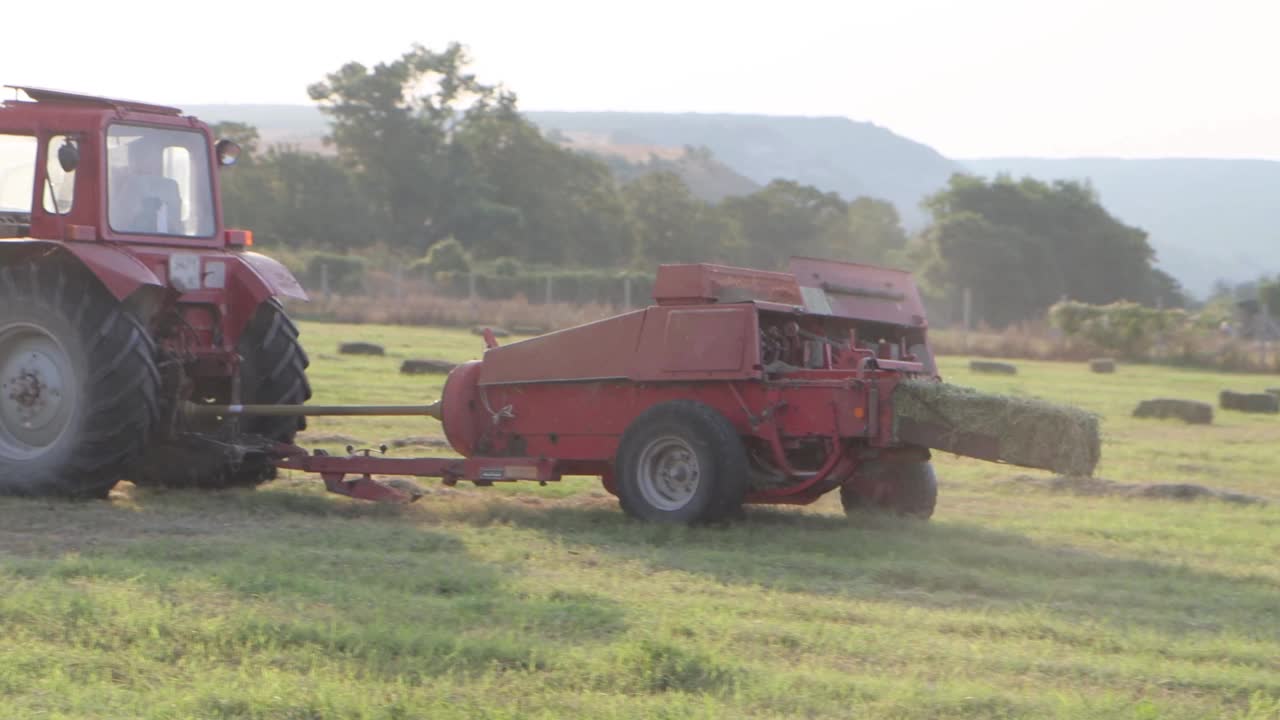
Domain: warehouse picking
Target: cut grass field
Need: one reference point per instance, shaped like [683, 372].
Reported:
[523, 601]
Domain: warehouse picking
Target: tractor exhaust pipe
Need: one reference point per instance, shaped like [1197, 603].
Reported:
[196, 410]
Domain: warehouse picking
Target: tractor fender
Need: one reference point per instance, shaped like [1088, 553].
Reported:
[118, 271]
[274, 279]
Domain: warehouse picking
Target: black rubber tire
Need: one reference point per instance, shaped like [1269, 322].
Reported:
[112, 362]
[914, 489]
[720, 455]
[273, 371]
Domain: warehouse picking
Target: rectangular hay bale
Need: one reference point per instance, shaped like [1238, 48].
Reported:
[1015, 430]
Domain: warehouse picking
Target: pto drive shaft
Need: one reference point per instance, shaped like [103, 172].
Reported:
[195, 410]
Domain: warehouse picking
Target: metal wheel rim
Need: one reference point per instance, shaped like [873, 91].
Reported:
[38, 395]
[668, 473]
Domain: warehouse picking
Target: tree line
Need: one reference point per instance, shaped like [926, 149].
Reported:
[426, 156]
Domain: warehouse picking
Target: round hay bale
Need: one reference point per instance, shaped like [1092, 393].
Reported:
[361, 348]
[528, 330]
[1102, 365]
[1249, 402]
[423, 366]
[1273, 391]
[497, 331]
[992, 367]
[1189, 411]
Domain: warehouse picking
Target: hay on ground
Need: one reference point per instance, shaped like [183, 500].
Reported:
[1249, 402]
[993, 368]
[1190, 411]
[422, 366]
[1102, 365]
[361, 348]
[1016, 430]
[1100, 486]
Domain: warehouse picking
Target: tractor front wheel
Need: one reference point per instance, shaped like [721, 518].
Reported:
[78, 382]
[906, 488]
[681, 462]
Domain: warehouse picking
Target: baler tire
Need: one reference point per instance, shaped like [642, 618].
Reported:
[273, 371]
[60, 317]
[707, 438]
[913, 490]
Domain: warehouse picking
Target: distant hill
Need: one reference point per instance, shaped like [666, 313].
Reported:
[1208, 219]
[301, 125]
[835, 154]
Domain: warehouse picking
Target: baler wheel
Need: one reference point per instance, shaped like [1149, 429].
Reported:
[681, 462]
[908, 488]
[78, 382]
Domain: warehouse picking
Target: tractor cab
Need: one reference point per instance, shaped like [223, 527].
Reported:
[82, 168]
[123, 295]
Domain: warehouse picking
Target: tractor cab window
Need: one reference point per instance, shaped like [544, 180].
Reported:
[158, 182]
[17, 177]
[17, 172]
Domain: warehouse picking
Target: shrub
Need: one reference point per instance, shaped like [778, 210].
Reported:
[345, 272]
[446, 256]
[507, 267]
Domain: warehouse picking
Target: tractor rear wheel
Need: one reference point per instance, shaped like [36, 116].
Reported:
[681, 462]
[78, 382]
[908, 488]
[273, 371]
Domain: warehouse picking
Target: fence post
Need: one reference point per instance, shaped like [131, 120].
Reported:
[324, 280]
[550, 294]
[471, 287]
[967, 309]
[398, 282]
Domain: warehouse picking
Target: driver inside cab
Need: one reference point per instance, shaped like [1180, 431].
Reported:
[142, 199]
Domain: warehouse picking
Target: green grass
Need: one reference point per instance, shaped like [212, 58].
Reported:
[547, 602]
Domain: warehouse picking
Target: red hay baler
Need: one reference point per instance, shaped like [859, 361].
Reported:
[737, 386]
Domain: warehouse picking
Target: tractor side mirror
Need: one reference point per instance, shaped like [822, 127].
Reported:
[68, 156]
[228, 152]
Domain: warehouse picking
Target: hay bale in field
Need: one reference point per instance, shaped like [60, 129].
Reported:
[1094, 486]
[1249, 402]
[497, 331]
[1102, 365]
[992, 368]
[424, 366]
[361, 348]
[1015, 430]
[1191, 411]
[1273, 391]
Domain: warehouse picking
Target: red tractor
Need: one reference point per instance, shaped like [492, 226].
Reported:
[123, 296]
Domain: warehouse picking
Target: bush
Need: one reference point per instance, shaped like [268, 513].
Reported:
[507, 267]
[446, 256]
[1128, 329]
[345, 272]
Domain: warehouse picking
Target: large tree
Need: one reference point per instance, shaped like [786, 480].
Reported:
[1021, 245]
[675, 226]
[393, 124]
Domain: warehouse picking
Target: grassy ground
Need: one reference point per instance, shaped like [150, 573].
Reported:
[547, 602]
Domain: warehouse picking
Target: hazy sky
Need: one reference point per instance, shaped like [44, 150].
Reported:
[1132, 78]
